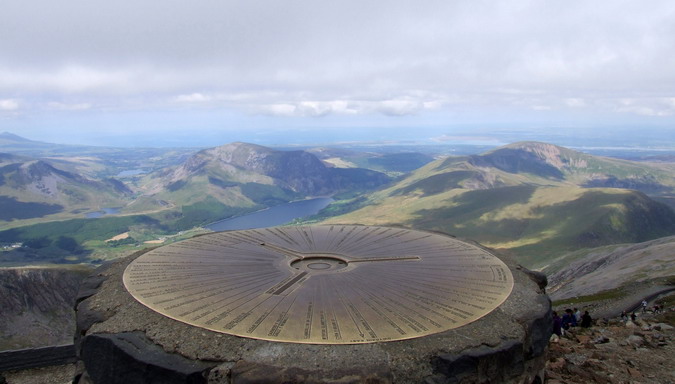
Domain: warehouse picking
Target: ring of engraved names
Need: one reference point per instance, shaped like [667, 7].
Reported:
[323, 284]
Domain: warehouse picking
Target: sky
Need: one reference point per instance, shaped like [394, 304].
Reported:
[277, 72]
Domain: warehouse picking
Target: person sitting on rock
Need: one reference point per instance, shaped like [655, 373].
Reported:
[624, 316]
[557, 324]
[568, 319]
[586, 320]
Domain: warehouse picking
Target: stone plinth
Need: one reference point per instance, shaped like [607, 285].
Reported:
[121, 341]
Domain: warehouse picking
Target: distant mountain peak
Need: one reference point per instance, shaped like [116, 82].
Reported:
[10, 136]
[241, 163]
[544, 151]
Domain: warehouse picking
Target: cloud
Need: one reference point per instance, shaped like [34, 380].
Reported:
[575, 102]
[68, 107]
[193, 98]
[346, 58]
[9, 105]
[304, 108]
[651, 107]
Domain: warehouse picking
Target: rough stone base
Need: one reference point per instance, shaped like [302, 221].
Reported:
[121, 341]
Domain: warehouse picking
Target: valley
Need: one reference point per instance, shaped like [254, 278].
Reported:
[593, 224]
[534, 201]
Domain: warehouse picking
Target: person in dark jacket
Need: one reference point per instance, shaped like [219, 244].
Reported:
[586, 320]
[557, 324]
[568, 319]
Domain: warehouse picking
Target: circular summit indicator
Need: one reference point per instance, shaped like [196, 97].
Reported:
[337, 284]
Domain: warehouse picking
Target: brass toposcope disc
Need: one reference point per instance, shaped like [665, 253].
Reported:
[338, 284]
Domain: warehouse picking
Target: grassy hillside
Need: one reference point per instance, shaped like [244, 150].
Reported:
[251, 177]
[90, 240]
[36, 189]
[531, 199]
[390, 163]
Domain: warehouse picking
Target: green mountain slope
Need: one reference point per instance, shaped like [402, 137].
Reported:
[250, 176]
[31, 188]
[390, 163]
[533, 199]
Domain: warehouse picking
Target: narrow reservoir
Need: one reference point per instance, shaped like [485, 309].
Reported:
[277, 215]
[102, 212]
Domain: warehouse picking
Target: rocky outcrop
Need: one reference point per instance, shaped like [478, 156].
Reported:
[612, 267]
[37, 305]
[119, 339]
[614, 352]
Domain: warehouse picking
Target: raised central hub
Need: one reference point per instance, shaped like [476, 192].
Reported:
[313, 264]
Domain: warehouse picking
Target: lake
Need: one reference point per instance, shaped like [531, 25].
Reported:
[131, 172]
[101, 213]
[277, 215]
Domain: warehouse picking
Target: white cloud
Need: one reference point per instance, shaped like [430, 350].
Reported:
[68, 107]
[193, 98]
[651, 107]
[9, 104]
[575, 102]
[279, 109]
[399, 107]
[304, 59]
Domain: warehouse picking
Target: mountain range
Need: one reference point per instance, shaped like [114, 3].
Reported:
[533, 200]
[248, 175]
[236, 175]
[43, 201]
[32, 188]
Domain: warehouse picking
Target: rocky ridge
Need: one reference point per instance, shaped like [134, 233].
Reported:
[37, 306]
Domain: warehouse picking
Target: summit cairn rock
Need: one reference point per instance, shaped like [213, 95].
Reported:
[119, 340]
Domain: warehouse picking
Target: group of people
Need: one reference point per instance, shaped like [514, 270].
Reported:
[655, 309]
[624, 316]
[571, 318]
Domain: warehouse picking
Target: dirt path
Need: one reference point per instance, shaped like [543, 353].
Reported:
[632, 302]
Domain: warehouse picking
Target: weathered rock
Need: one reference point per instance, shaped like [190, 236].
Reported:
[121, 337]
[245, 372]
[503, 363]
[87, 317]
[662, 327]
[634, 372]
[635, 341]
[37, 305]
[538, 277]
[143, 361]
[557, 365]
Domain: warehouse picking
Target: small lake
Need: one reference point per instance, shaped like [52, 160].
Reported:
[277, 215]
[101, 213]
[131, 172]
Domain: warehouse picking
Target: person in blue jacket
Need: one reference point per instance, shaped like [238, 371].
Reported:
[568, 319]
